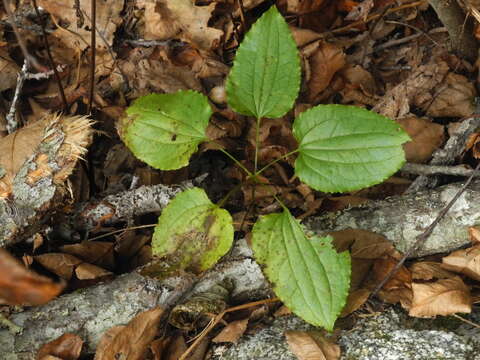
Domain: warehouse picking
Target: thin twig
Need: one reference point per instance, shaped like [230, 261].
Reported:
[148, 43]
[467, 321]
[396, 42]
[425, 169]
[43, 75]
[93, 45]
[50, 58]
[242, 15]
[355, 24]
[11, 119]
[425, 235]
[112, 55]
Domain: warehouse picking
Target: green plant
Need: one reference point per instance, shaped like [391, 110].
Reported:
[341, 148]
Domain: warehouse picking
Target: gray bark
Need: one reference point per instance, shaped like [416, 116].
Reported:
[402, 218]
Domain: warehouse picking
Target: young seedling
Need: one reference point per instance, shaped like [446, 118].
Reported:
[341, 148]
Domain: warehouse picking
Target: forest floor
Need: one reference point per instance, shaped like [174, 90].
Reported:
[78, 209]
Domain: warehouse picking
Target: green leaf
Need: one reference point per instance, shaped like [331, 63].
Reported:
[308, 275]
[164, 130]
[265, 78]
[345, 148]
[193, 231]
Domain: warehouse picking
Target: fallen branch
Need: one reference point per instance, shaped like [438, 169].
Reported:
[428, 170]
[420, 239]
[11, 118]
[402, 218]
[117, 302]
[125, 205]
[453, 149]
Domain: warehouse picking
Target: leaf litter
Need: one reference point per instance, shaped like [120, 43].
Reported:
[400, 71]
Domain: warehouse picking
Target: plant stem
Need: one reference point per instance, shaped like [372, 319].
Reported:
[230, 193]
[234, 160]
[257, 144]
[275, 161]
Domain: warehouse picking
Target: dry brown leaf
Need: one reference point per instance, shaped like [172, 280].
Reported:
[232, 332]
[360, 11]
[474, 235]
[19, 286]
[176, 347]
[158, 346]
[146, 76]
[66, 347]
[402, 278]
[94, 252]
[426, 138]
[397, 101]
[398, 288]
[311, 346]
[360, 86]
[130, 341]
[473, 142]
[282, 311]
[324, 60]
[355, 300]
[454, 98]
[77, 33]
[363, 244]
[464, 261]
[365, 247]
[8, 70]
[87, 271]
[443, 297]
[183, 20]
[339, 203]
[428, 270]
[61, 264]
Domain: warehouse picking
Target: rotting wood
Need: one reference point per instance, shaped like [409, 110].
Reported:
[31, 186]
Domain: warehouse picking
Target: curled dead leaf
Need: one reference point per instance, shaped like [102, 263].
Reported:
[232, 332]
[311, 346]
[323, 60]
[464, 261]
[428, 270]
[131, 341]
[453, 99]
[183, 20]
[19, 286]
[66, 347]
[426, 138]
